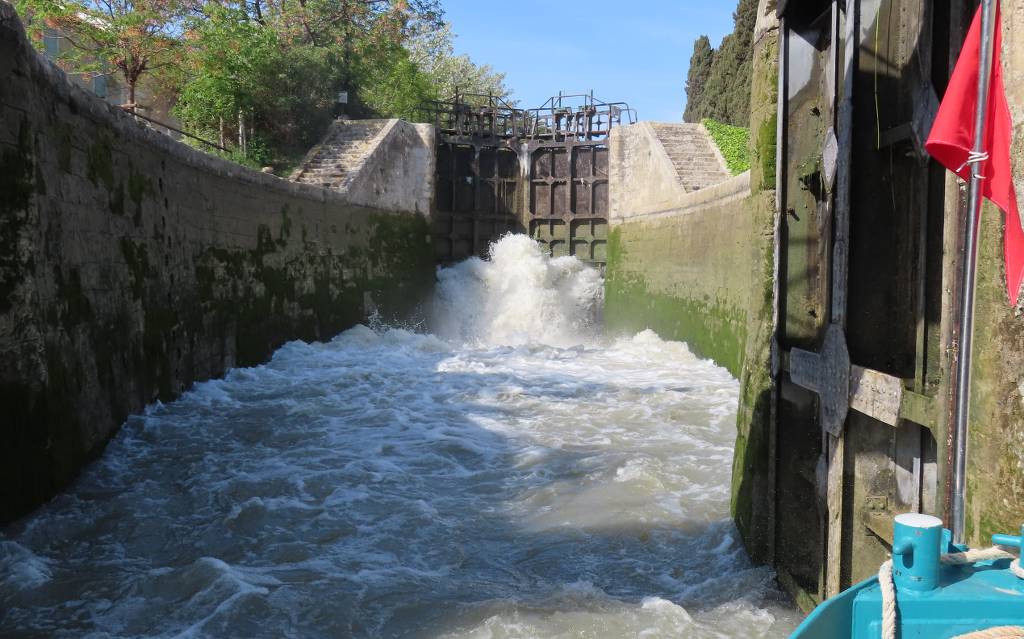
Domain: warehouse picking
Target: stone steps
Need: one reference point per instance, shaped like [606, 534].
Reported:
[338, 158]
[692, 154]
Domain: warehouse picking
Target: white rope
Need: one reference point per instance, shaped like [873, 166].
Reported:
[974, 157]
[888, 588]
[885, 582]
[977, 554]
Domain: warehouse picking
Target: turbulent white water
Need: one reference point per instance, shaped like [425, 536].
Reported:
[501, 482]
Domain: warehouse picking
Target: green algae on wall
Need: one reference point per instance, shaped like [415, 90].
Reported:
[995, 492]
[752, 489]
[686, 276]
[712, 329]
[132, 266]
[750, 502]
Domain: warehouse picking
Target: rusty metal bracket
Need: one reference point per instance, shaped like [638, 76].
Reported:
[828, 374]
[841, 386]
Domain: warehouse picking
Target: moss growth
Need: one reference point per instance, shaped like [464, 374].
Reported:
[265, 240]
[765, 151]
[139, 186]
[136, 256]
[750, 481]
[64, 150]
[77, 308]
[101, 164]
[17, 184]
[284, 233]
[711, 328]
[116, 203]
[995, 486]
[397, 270]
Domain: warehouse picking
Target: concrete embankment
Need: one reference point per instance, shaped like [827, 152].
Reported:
[132, 266]
[681, 263]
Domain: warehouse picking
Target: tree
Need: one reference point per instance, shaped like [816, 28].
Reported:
[433, 50]
[230, 58]
[725, 94]
[281, 66]
[136, 37]
[391, 84]
[700, 70]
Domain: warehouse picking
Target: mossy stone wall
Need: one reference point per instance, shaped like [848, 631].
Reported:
[686, 277]
[753, 491]
[132, 266]
[995, 451]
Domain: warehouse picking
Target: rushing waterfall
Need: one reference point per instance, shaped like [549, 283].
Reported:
[512, 474]
[518, 297]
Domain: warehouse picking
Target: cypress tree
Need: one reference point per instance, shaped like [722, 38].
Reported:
[724, 94]
[700, 70]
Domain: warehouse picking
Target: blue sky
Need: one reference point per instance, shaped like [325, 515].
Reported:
[636, 52]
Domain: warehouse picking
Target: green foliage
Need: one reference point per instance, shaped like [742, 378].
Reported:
[392, 85]
[733, 142]
[268, 72]
[136, 37]
[697, 77]
[724, 91]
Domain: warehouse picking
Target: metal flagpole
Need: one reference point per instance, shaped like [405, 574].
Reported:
[963, 364]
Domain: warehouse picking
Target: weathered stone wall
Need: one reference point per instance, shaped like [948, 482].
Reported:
[641, 176]
[398, 174]
[995, 461]
[132, 266]
[753, 487]
[685, 272]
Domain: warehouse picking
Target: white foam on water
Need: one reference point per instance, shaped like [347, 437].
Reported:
[519, 296]
[513, 475]
[21, 569]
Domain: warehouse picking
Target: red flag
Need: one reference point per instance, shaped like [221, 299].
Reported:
[952, 138]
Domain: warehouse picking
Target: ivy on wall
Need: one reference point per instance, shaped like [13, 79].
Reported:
[733, 142]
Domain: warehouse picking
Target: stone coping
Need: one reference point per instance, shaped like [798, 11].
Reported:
[731, 190]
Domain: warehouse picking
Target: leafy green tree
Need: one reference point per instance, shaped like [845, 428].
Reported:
[230, 57]
[238, 67]
[392, 85]
[281, 67]
[697, 77]
[136, 37]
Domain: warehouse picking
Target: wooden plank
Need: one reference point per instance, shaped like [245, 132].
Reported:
[919, 409]
[841, 233]
[886, 399]
[880, 523]
[833, 555]
[873, 393]
[876, 394]
[773, 428]
[907, 467]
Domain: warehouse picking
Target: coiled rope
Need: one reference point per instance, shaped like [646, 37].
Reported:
[888, 588]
